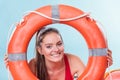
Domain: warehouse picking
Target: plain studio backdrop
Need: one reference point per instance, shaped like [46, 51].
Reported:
[106, 12]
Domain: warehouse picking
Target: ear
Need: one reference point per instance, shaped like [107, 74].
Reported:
[39, 50]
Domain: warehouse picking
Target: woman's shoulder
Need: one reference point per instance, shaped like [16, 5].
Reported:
[32, 65]
[73, 57]
[76, 63]
[32, 61]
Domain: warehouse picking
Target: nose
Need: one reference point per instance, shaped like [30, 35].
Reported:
[55, 48]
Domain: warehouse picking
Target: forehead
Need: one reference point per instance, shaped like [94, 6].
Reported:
[52, 37]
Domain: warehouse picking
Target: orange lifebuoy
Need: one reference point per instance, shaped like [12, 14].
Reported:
[113, 75]
[17, 48]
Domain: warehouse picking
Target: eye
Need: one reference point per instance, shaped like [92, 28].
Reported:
[60, 44]
[49, 46]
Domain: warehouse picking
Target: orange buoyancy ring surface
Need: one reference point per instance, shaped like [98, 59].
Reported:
[17, 47]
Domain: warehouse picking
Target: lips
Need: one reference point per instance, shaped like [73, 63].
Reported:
[56, 55]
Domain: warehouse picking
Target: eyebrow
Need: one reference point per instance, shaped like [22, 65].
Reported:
[52, 43]
[48, 44]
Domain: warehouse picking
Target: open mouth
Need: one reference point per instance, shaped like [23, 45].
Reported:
[56, 54]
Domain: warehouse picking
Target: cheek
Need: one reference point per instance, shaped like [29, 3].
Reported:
[46, 51]
[62, 48]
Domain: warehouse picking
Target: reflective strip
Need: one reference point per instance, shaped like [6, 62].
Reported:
[17, 57]
[98, 52]
[55, 13]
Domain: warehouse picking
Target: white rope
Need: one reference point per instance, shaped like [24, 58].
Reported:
[9, 74]
[100, 25]
[109, 72]
[68, 19]
[10, 33]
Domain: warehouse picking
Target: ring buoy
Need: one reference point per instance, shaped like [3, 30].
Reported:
[17, 47]
[113, 75]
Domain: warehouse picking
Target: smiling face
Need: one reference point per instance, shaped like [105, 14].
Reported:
[52, 47]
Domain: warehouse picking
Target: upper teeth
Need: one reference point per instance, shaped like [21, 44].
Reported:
[55, 54]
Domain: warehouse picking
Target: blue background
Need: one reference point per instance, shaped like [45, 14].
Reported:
[107, 12]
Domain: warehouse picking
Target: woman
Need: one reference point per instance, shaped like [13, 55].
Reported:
[51, 62]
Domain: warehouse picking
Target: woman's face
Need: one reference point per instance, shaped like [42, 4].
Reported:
[52, 47]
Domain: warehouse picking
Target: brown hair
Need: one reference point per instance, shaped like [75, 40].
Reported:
[41, 70]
